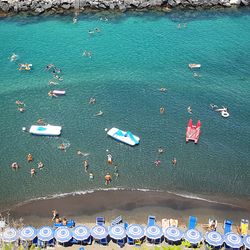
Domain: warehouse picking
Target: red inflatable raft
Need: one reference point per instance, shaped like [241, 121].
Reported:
[193, 131]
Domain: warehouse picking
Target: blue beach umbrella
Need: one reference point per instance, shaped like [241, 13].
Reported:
[213, 238]
[28, 233]
[63, 234]
[153, 232]
[135, 231]
[99, 232]
[10, 235]
[233, 240]
[80, 232]
[173, 234]
[193, 236]
[45, 233]
[246, 241]
[117, 232]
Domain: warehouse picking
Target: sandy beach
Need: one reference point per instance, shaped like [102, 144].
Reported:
[134, 206]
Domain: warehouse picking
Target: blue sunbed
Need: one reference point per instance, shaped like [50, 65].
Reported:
[100, 221]
[192, 222]
[227, 226]
[116, 221]
[151, 220]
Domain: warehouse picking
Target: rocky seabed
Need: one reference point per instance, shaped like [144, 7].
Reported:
[60, 6]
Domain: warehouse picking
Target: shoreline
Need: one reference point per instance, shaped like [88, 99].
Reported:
[134, 206]
[50, 7]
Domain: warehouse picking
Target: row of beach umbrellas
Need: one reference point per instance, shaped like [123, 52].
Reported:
[118, 232]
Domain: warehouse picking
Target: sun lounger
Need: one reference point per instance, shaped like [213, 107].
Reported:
[100, 221]
[192, 222]
[70, 223]
[165, 223]
[151, 220]
[227, 226]
[125, 224]
[173, 222]
[244, 227]
[116, 221]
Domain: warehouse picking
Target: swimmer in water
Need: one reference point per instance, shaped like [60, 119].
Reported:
[51, 94]
[32, 172]
[40, 165]
[92, 100]
[116, 173]
[13, 57]
[29, 157]
[14, 166]
[21, 109]
[163, 89]
[157, 163]
[189, 110]
[174, 161]
[40, 121]
[62, 147]
[160, 150]
[86, 165]
[100, 113]
[91, 176]
[162, 110]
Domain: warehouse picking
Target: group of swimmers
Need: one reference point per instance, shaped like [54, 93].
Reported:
[29, 159]
[95, 30]
[158, 162]
[55, 73]
[87, 54]
[20, 106]
[184, 25]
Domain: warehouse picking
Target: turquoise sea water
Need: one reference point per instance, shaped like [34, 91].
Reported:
[132, 57]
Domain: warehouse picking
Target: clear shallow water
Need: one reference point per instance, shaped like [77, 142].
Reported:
[133, 56]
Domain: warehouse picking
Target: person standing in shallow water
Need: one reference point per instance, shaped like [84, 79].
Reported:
[86, 165]
[174, 161]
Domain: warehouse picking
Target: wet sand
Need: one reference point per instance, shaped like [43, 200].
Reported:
[134, 206]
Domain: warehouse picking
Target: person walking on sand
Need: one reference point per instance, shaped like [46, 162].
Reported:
[55, 215]
[86, 165]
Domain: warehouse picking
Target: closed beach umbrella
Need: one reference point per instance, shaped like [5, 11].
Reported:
[63, 234]
[153, 232]
[99, 232]
[80, 233]
[117, 232]
[135, 231]
[45, 233]
[173, 234]
[28, 233]
[213, 238]
[246, 241]
[233, 240]
[10, 235]
[193, 236]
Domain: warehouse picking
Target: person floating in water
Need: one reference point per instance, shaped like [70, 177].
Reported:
[110, 159]
[189, 109]
[100, 113]
[40, 121]
[32, 172]
[107, 179]
[14, 166]
[62, 147]
[13, 57]
[162, 110]
[91, 176]
[40, 165]
[92, 100]
[174, 161]
[116, 173]
[157, 163]
[163, 89]
[29, 157]
[160, 150]
[51, 94]
[86, 165]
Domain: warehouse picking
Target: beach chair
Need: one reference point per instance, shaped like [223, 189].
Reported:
[227, 226]
[100, 221]
[70, 223]
[173, 223]
[192, 222]
[116, 221]
[244, 227]
[165, 223]
[151, 220]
